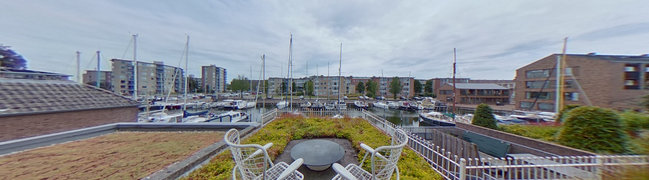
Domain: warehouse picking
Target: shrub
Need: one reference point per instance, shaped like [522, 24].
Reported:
[640, 145]
[564, 112]
[543, 132]
[633, 121]
[484, 117]
[594, 129]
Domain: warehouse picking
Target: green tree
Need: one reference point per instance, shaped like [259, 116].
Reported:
[418, 87]
[395, 87]
[595, 129]
[371, 88]
[239, 84]
[484, 117]
[293, 87]
[360, 87]
[11, 59]
[309, 87]
[283, 86]
[428, 87]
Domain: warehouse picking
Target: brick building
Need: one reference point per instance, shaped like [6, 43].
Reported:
[37, 107]
[609, 81]
[90, 78]
[474, 93]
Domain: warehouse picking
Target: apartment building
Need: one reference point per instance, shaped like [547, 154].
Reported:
[474, 93]
[90, 78]
[152, 78]
[275, 84]
[214, 78]
[609, 81]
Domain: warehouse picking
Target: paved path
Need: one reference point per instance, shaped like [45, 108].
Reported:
[349, 157]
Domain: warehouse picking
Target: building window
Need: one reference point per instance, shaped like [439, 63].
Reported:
[568, 72]
[539, 84]
[526, 105]
[546, 106]
[541, 73]
[631, 67]
[539, 95]
[446, 92]
[571, 96]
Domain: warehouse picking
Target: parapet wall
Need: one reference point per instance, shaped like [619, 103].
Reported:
[522, 144]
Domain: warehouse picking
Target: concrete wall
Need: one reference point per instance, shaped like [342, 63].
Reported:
[15, 127]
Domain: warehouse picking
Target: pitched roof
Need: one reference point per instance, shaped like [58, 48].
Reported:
[477, 86]
[20, 96]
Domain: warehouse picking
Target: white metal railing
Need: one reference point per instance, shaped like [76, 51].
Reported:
[268, 117]
[522, 166]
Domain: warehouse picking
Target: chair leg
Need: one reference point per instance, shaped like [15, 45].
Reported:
[234, 172]
[397, 169]
[364, 157]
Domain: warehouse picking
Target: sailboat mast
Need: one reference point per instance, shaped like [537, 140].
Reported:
[135, 66]
[454, 62]
[79, 67]
[98, 69]
[290, 73]
[250, 80]
[340, 64]
[186, 71]
[263, 69]
[561, 65]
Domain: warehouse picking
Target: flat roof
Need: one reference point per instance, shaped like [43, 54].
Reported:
[477, 86]
[119, 155]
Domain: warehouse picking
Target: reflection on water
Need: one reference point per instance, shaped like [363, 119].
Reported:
[399, 117]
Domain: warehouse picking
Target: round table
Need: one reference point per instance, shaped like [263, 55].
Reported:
[318, 154]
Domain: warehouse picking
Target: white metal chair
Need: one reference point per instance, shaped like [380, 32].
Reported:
[384, 160]
[252, 161]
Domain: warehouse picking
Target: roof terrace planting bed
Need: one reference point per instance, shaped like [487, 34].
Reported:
[120, 155]
[287, 128]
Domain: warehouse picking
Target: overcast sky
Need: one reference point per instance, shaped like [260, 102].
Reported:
[493, 38]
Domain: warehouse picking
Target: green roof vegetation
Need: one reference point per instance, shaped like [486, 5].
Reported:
[287, 128]
[120, 155]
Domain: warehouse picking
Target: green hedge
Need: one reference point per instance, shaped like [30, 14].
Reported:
[285, 129]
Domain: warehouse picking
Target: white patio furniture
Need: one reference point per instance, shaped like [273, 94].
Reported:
[384, 160]
[252, 161]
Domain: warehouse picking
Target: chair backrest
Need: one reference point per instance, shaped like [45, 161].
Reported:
[252, 160]
[384, 160]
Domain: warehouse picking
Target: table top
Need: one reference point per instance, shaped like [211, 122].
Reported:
[318, 152]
